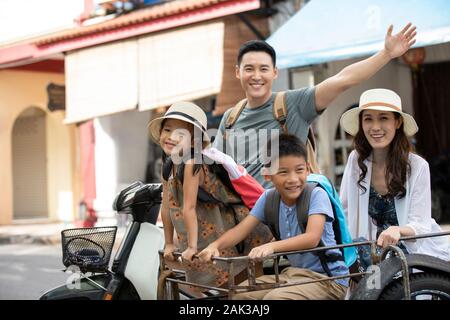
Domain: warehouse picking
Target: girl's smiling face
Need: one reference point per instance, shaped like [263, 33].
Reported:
[176, 135]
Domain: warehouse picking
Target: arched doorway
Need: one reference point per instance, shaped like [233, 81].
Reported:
[29, 152]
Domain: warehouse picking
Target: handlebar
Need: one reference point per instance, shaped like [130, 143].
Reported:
[354, 244]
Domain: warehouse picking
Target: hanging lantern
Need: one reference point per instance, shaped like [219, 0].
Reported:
[414, 57]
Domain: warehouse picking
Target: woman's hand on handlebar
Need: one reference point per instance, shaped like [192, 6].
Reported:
[390, 236]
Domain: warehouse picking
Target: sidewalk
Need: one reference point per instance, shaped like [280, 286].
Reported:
[50, 233]
[45, 233]
[40, 233]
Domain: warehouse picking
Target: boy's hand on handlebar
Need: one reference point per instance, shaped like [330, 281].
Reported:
[189, 253]
[168, 252]
[261, 251]
[206, 254]
[390, 236]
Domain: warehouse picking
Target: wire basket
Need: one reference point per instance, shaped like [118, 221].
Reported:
[88, 248]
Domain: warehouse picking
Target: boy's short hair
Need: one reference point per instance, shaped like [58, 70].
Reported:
[256, 45]
[288, 145]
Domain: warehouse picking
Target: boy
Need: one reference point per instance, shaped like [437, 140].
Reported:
[288, 171]
[256, 69]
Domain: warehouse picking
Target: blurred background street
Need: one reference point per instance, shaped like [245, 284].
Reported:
[28, 270]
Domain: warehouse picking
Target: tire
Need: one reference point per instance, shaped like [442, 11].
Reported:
[424, 286]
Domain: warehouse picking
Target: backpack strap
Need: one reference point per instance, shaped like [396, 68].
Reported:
[271, 217]
[303, 203]
[280, 114]
[311, 151]
[235, 113]
[271, 212]
[312, 138]
[279, 110]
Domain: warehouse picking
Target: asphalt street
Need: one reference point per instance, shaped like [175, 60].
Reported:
[27, 271]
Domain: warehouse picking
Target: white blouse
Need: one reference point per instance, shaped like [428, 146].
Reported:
[413, 210]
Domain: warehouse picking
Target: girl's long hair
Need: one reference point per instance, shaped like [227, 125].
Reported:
[398, 167]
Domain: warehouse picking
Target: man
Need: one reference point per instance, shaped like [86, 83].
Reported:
[256, 69]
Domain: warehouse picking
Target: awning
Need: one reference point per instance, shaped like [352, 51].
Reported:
[183, 64]
[101, 80]
[147, 72]
[329, 30]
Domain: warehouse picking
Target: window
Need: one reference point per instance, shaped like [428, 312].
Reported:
[343, 145]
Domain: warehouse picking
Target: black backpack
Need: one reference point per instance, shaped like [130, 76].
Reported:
[271, 217]
[214, 167]
[203, 195]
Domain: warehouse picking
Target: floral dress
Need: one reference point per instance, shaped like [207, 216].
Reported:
[213, 221]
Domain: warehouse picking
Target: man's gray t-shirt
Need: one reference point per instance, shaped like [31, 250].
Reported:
[254, 127]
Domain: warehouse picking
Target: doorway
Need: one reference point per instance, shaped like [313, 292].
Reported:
[431, 85]
[30, 165]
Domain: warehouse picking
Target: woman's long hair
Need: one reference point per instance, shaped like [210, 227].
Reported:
[398, 167]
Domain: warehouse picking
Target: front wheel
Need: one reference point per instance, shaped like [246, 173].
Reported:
[424, 286]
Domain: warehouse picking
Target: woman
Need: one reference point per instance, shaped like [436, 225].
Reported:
[385, 189]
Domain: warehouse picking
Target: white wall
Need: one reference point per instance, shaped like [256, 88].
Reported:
[282, 81]
[121, 145]
[59, 167]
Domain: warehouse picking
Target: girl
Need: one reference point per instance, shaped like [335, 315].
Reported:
[385, 189]
[181, 133]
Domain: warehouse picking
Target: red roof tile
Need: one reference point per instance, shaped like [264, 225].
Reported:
[139, 16]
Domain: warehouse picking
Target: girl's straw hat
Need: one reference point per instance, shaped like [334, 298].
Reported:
[378, 99]
[184, 111]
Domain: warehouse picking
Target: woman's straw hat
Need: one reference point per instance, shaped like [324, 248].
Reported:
[382, 100]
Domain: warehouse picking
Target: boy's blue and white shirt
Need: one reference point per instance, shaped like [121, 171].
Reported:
[319, 204]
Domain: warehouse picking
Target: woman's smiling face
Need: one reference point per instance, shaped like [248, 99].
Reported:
[380, 127]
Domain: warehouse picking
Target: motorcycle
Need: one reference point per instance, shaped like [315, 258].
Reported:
[134, 270]
[139, 262]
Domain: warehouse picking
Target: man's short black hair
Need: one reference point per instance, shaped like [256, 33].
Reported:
[288, 145]
[256, 45]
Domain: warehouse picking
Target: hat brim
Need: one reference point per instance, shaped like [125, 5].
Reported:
[350, 120]
[154, 128]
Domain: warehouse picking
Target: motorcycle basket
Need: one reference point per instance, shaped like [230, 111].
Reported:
[88, 248]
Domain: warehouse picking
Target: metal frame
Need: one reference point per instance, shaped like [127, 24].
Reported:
[173, 282]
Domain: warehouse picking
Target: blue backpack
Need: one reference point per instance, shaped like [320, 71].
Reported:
[340, 227]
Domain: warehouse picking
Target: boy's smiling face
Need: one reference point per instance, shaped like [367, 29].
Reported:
[288, 176]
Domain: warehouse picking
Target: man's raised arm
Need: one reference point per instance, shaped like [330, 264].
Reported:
[354, 74]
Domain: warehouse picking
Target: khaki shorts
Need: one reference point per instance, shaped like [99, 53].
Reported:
[324, 290]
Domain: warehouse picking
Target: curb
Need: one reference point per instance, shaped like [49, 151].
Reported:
[30, 239]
